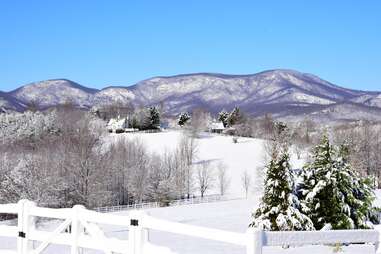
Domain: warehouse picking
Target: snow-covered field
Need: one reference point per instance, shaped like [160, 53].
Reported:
[246, 155]
[232, 215]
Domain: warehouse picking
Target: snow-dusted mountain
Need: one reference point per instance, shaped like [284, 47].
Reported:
[284, 93]
[110, 95]
[370, 99]
[7, 103]
[54, 92]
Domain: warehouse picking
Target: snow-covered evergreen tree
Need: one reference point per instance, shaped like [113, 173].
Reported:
[332, 193]
[235, 117]
[154, 116]
[321, 197]
[357, 191]
[183, 118]
[223, 117]
[279, 207]
[151, 119]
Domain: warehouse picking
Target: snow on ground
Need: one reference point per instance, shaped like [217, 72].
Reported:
[232, 215]
[246, 155]
[228, 215]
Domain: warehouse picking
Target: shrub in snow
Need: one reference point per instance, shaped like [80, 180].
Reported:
[332, 192]
[183, 119]
[279, 208]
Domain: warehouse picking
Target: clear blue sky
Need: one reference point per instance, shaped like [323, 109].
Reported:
[101, 43]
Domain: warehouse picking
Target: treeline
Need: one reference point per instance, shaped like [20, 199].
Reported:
[142, 118]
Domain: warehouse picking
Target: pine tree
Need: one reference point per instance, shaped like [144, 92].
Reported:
[332, 193]
[279, 207]
[223, 117]
[183, 119]
[151, 119]
[321, 200]
[235, 117]
[154, 117]
[357, 192]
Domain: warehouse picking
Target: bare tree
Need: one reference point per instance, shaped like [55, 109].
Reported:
[246, 182]
[258, 180]
[223, 178]
[160, 180]
[187, 150]
[204, 177]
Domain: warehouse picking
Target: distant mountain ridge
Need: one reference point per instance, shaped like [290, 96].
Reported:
[286, 94]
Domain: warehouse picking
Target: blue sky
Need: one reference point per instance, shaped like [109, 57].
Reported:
[102, 43]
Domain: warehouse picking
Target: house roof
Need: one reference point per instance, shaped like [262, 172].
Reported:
[217, 126]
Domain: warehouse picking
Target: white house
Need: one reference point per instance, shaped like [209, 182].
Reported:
[216, 127]
[117, 125]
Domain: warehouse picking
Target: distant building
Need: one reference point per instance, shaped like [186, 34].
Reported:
[117, 125]
[216, 127]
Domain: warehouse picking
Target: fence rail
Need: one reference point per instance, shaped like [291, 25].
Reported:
[177, 202]
[79, 229]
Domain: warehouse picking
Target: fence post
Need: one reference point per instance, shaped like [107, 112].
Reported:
[76, 228]
[254, 241]
[20, 226]
[28, 226]
[137, 235]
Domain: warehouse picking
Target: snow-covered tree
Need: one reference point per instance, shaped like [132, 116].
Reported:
[279, 209]
[154, 117]
[332, 193]
[235, 117]
[183, 118]
[160, 180]
[321, 199]
[223, 117]
[357, 191]
[205, 177]
[28, 125]
[246, 182]
[223, 180]
[187, 151]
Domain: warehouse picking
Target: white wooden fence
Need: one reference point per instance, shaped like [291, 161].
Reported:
[85, 232]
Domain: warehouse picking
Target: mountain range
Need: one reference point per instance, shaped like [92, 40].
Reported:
[286, 94]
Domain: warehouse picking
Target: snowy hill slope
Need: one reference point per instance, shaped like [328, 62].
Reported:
[246, 155]
[7, 103]
[373, 99]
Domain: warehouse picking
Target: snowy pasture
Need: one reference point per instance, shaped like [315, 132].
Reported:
[245, 155]
[235, 215]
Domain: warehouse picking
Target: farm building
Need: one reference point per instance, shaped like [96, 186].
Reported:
[216, 127]
[118, 125]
